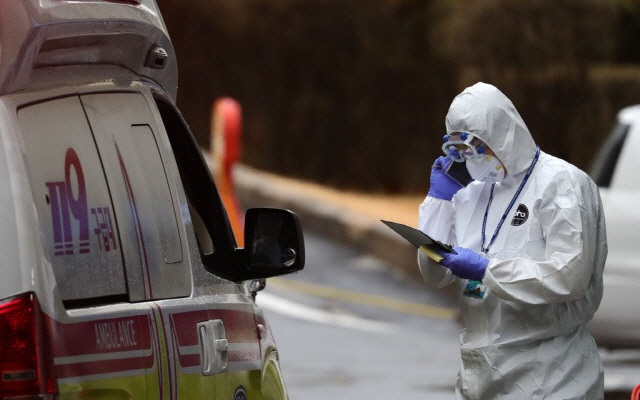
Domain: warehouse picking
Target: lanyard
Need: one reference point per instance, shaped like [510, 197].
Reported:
[506, 213]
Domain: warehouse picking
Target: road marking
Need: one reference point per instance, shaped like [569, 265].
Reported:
[281, 305]
[346, 296]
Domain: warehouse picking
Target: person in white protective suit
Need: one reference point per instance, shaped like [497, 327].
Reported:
[529, 232]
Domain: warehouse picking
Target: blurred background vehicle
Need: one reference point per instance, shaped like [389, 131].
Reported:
[616, 171]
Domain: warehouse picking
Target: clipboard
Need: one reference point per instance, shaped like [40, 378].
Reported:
[421, 240]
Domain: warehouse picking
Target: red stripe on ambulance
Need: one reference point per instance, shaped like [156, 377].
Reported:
[243, 342]
[102, 346]
[130, 344]
[101, 336]
[235, 325]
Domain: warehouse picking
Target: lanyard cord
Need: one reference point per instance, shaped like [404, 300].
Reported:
[506, 213]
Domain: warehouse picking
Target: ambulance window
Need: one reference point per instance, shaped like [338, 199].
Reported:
[211, 225]
[142, 187]
[72, 200]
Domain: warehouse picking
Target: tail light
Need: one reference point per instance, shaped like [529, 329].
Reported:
[25, 361]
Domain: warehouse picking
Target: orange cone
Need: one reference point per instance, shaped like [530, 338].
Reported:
[635, 394]
[226, 132]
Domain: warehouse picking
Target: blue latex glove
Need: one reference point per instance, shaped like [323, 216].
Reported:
[467, 264]
[442, 186]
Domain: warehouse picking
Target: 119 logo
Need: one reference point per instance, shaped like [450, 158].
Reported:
[68, 209]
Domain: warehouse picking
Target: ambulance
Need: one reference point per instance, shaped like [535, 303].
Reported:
[120, 275]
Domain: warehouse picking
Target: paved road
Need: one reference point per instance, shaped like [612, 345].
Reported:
[351, 327]
[347, 327]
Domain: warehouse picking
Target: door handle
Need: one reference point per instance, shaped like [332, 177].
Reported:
[214, 347]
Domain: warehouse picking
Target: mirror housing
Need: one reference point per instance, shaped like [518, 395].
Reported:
[274, 244]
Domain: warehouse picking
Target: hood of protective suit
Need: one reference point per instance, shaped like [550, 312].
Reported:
[484, 111]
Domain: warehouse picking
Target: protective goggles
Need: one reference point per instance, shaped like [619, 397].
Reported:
[462, 145]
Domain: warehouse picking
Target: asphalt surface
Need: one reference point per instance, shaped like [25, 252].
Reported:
[349, 327]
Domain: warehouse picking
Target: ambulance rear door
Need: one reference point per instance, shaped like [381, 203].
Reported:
[102, 345]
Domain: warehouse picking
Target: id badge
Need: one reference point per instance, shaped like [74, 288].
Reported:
[475, 289]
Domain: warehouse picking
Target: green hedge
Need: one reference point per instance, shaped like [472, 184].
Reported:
[354, 93]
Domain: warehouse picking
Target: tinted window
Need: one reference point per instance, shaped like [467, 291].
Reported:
[604, 164]
[210, 222]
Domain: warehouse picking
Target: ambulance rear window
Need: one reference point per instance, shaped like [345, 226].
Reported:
[78, 226]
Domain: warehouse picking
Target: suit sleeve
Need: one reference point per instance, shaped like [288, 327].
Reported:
[435, 219]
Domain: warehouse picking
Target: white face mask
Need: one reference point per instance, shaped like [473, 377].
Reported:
[485, 169]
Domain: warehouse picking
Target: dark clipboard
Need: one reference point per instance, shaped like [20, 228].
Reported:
[421, 240]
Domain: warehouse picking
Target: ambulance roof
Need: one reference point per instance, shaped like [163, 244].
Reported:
[41, 33]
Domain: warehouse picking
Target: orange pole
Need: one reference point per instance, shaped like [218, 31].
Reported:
[226, 132]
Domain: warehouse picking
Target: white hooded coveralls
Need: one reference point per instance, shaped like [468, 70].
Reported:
[526, 337]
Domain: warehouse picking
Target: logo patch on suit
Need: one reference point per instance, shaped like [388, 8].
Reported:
[521, 215]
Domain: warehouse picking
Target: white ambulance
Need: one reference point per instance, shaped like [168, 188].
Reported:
[120, 275]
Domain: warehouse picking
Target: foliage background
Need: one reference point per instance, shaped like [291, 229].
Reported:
[353, 93]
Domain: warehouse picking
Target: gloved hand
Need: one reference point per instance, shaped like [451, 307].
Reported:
[467, 264]
[442, 186]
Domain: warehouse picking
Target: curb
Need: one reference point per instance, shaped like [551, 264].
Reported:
[254, 189]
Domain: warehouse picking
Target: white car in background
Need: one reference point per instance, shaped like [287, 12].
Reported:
[616, 170]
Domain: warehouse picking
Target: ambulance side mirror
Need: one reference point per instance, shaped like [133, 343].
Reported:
[274, 243]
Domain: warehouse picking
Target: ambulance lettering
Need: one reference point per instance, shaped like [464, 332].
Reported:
[115, 335]
[65, 205]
